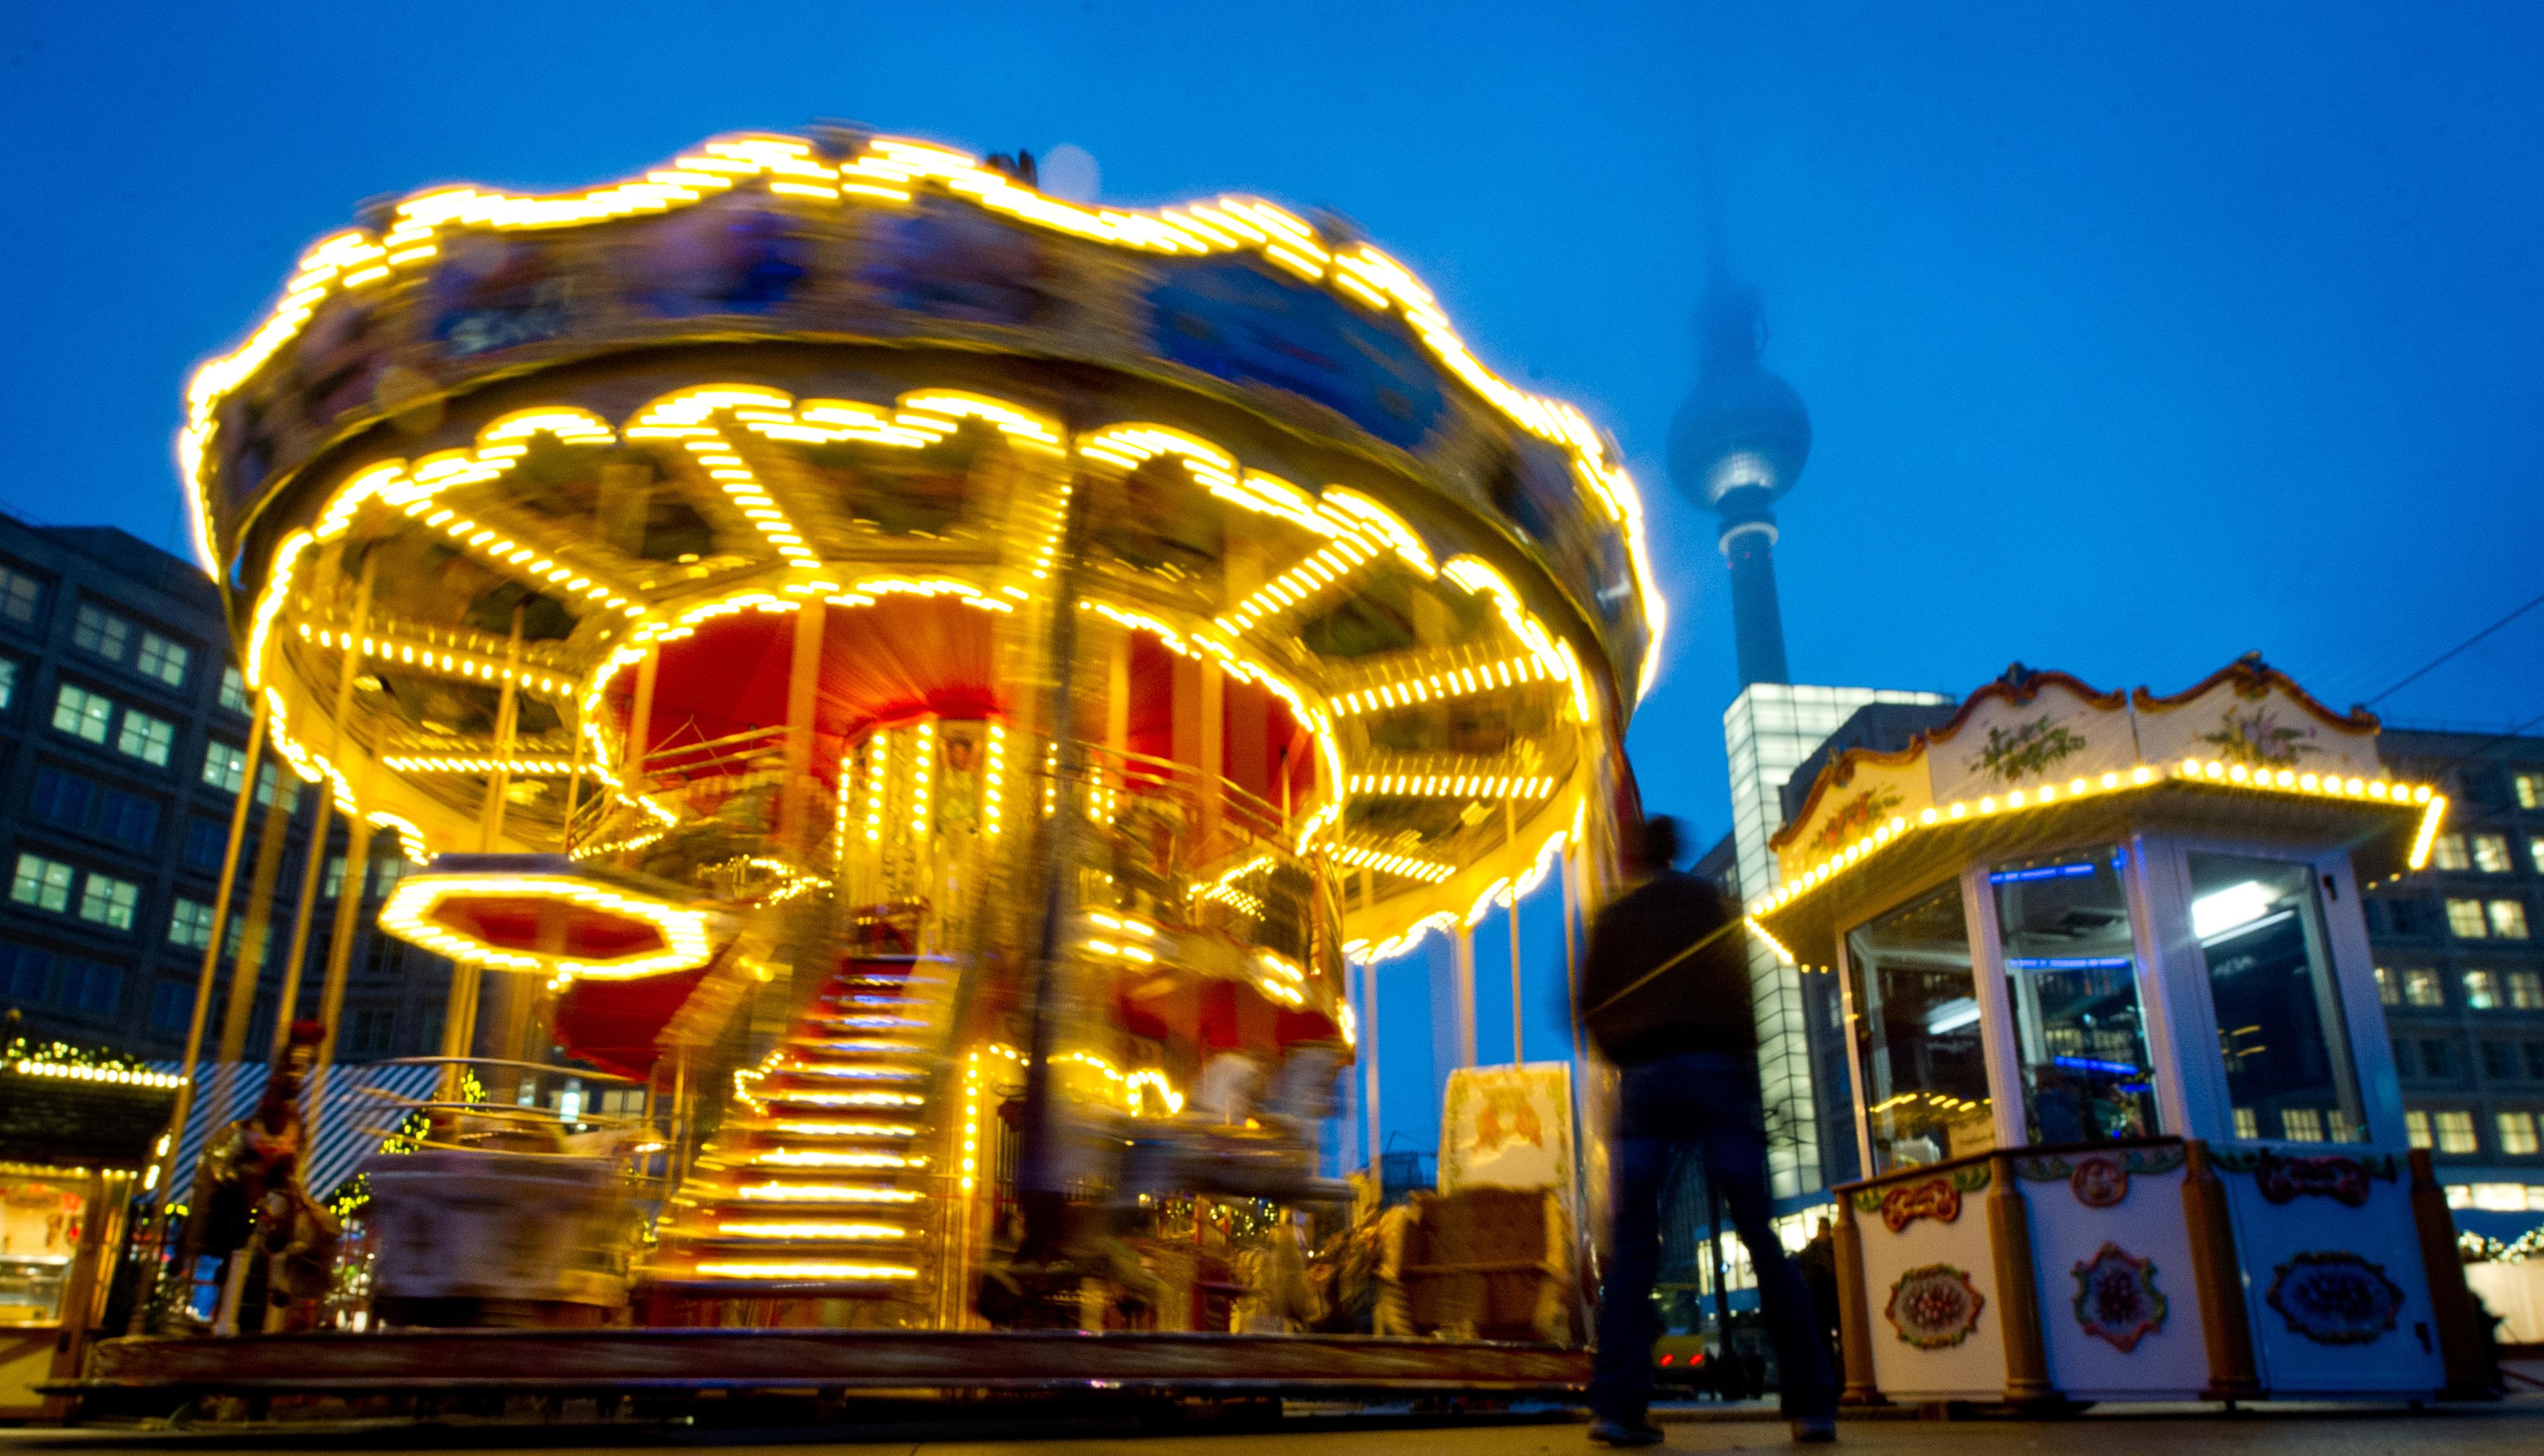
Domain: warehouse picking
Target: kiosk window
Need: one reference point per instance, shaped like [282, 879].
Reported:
[2280, 1026]
[1917, 1034]
[2071, 974]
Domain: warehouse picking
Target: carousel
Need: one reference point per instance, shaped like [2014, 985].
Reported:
[2122, 1082]
[914, 698]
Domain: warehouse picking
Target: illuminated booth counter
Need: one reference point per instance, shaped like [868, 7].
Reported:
[2120, 1068]
[937, 687]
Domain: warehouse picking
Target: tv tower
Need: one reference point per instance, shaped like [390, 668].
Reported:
[1737, 445]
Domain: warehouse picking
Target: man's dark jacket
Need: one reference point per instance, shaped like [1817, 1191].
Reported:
[1699, 1004]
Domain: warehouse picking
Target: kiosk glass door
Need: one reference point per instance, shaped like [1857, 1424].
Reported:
[1917, 1029]
[2279, 1026]
[2071, 974]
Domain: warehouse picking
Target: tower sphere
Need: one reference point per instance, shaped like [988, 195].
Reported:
[1741, 426]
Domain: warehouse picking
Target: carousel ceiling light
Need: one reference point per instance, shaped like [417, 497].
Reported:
[810, 1229]
[805, 1269]
[410, 909]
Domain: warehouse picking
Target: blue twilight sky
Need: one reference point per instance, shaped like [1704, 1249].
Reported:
[2135, 337]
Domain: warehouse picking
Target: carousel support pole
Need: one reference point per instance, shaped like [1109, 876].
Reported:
[640, 721]
[1519, 1021]
[490, 815]
[357, 869]
[1461, 990]
[1369, 1046]
[302, 911]
[512, 991]
[247, 968]
[163, 1170]
[798, 826]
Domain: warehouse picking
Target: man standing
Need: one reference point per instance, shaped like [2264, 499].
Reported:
[1665, 996]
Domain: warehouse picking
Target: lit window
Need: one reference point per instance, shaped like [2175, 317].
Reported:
[2248, 1123]
[2481, 990]
[7, 681]
[2301, 1124]
[2388, 990]
[20, 596]
[2517, 1140]
[163, 660]
[225, 767]
[2499, 1198]
[233, 690]
[2456, 1135]
[2529, 788]
[2415, 1126]
[333, 878]
[2526, 991]
[385, 874]
[2535, 852]
[2508, 919]
[268, 778]
[2447, 852]
[42, 882]
[2464, 918]
[2420, 988]
[102, 631]
[109, 901]
[83, 714]
[2491, 854]
[2459, 1195]
[145, 738]
[190, 924]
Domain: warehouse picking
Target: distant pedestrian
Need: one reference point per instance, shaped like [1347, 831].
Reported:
[1818, 1262]
[1665, 996]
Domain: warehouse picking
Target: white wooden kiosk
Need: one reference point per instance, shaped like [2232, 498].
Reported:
[2120, 1075]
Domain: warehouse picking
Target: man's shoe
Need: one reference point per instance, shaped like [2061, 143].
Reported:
[1625, 1433]
[1814, 1431]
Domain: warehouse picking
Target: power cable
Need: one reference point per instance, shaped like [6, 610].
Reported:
[2434, 662]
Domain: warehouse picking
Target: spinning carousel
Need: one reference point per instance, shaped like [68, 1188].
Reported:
[935, 688]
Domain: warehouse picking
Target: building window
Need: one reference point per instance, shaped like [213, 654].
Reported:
[82, 714]
[372, 1029]
[109, 901]
[2535, 852]
[333, 879]
[190, 924]
[225, 767]
[2388, 989]
[2404, 1065]
[2420, 987]
[2500, 1060]
[2491, 854]
[233, 690]
[2447, 852]
[102, 631]
[7, 681]
[2465, 919]
[163, 660]
[2302, 1125]
[207, 841]
[60, 796]
[2529, 788]
[2525, 990]
[269, 779]
[2481, 990]
[2415, 1126]
[2535, 1061]
[2507, 919]
[90, 986]
[42, 882]
[21, 596]
[128, 818]
[148, 738]
[2248, 1123]
[2455, 1132]
[2516, 1134]
[24, 972]
[172, 1006]
[386, 871]
[2436, 1059]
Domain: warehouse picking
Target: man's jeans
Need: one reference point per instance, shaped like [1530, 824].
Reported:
[1699, 1102]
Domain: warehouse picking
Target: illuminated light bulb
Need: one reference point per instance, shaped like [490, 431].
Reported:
[2113, 781]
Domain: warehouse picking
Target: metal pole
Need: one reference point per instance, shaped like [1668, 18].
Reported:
[247, 968]
[163, 1170]
[1519, 1036]
[1041, 1184]
[1368, 1044]
[358, 866]
[301, 911]
[1462, 971]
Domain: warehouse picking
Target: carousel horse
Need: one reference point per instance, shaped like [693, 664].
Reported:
[258, 1209]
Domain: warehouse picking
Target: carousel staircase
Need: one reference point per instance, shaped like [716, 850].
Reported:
[817, 1183]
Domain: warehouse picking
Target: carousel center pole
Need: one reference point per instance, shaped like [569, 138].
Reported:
[1519, 1034]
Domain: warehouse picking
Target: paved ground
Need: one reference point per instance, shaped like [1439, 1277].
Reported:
[2515, 1427]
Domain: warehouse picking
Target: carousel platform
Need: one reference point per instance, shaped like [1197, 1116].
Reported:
[635, 1360]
